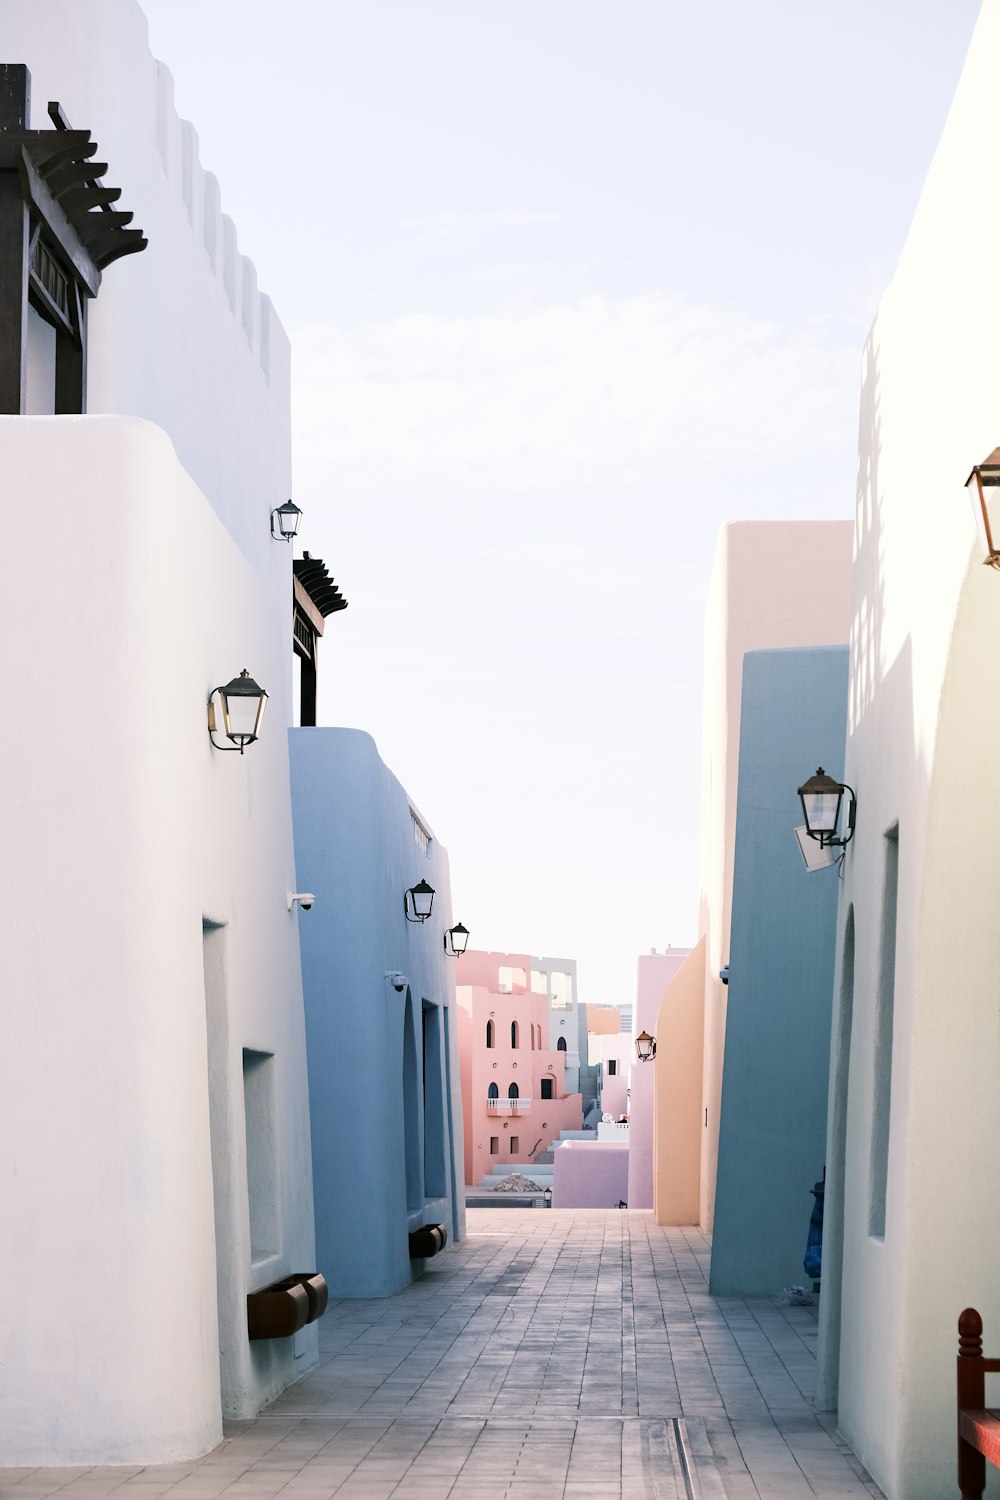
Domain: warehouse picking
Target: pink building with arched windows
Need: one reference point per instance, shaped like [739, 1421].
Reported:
[514, 1098]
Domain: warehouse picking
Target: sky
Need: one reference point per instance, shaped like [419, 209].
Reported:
[569, 283]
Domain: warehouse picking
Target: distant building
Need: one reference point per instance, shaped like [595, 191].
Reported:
[518, 1045]
[654, 971]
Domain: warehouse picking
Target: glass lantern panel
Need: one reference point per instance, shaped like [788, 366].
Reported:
[422, 901]
[821, 810]
[243, 714]
[985, 497]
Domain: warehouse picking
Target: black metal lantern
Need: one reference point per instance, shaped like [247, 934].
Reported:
[983, 485]
[242, 702]
[287, 517]
[418, 901]
[821, 798]
[456, 940]
[645, 1046]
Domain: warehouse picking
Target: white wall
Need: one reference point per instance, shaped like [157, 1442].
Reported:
[123, 831]
[179, 334]
[924, 724]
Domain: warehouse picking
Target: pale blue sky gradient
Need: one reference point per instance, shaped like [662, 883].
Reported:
[569, 283]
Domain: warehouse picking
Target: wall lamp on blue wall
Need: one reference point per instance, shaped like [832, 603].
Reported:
[418, 902]
[242, 703]
[287, 517]
[983, 485]
[456, 940]
[821, 798]
[645, 1047]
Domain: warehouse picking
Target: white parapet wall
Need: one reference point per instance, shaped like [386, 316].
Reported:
[146, 949]
[179, 334]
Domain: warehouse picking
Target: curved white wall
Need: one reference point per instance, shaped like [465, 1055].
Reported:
[924, 724]
[123, 830]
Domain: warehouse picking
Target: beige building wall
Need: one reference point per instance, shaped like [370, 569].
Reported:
[677, 1113]
[774, 583]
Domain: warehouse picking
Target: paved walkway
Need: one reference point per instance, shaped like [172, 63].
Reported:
[550, 1356]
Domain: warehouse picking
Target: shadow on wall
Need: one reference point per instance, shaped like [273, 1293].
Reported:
[880, 728]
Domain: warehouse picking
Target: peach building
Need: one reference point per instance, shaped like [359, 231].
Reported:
[515, 1099]
[765, 592]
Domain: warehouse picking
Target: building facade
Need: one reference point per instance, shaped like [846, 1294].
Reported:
[772, 1135]
[911, 1222]
[381, 1022]
[156, 1107]
[517, 1018]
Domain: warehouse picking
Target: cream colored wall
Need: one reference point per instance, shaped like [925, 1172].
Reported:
[677, 1113]
[774, 583]
[922, 751]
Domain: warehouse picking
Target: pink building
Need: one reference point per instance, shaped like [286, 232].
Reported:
[614, 1053]
[514, 1098]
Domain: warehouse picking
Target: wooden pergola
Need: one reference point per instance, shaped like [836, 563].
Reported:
[58, 233]
[314, 597]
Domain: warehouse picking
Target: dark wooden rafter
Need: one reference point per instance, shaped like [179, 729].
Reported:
[58, 233]
[314, 597]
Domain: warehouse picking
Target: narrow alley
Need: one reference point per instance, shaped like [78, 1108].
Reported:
[551, 1355]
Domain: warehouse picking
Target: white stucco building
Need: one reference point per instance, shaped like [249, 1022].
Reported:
[911, 1218]
[155, 1110]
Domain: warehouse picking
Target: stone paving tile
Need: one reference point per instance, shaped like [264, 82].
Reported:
[550, 1356]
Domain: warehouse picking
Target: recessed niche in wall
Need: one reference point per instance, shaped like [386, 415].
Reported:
[435, 1173]
[882, 1103]
[262, 1154]
[411, 1112]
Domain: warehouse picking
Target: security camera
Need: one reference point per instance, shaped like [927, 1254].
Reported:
[397, 980]
[305, 899]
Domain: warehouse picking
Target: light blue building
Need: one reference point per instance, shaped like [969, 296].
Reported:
[384, 1090]
[772, 1134]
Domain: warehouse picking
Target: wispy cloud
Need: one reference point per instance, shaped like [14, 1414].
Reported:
[456, 222]
[584, 392]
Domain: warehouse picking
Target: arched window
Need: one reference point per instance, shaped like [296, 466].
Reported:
[491, 1039]
[514, 1034]
[561, 1044]
[513, 1092]
[532, 1036]
[493, 1092]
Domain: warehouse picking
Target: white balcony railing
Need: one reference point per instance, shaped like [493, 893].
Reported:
[508, 1106]
[572, 1059]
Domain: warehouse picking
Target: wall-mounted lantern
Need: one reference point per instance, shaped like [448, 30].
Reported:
[821, 799]
[287, 517]
[456, 940]
[242, 703]
[418, 902]
[983, 485]
[645, 1046]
